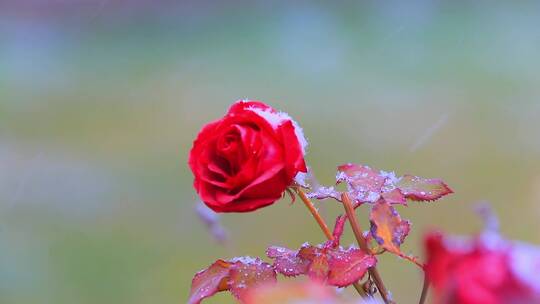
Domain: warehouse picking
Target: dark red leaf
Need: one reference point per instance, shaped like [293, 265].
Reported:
[248, 273]
[209, 281]
[236, 275]
[364, 184]
[338, 229]
[394, 197]
[333, 265]
[348, 266]
[318, 269]
[287, 262]
[387, 228]
[422, 189]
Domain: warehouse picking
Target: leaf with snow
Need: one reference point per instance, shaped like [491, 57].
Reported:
[286, 261]
[322, 192]
[364, 184]
[209, 281]
[236, 275]
[334, 265]
[248, 275]
[422, 189]
[338, 229]
[348, 266]
[387, 227]
[367, 185]
[394, 196]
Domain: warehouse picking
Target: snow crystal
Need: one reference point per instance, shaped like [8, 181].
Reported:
[391, 178]
[372, 196]
[300, 179]
[341, 176]
[246, 260]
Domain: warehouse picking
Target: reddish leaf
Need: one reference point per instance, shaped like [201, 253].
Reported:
[364, 184]
[209, 281]
[318, 266]
[236, 275]
[247, 273]
[348, 266]
[318, 269]
[321, 193]
[394, 196]
[387, 228]
[338, 229]
[422, 189]
[287, 262]
[335, 265]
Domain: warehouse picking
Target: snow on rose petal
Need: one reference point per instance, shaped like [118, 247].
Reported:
[247, 273]
[287, 261]
[387, 227]
[422, 189]
[209, 281]
[348, 266]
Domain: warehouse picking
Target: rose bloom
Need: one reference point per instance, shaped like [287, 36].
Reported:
[246, 160]
[484, 270]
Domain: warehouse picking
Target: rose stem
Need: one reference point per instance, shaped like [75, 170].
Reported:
[315, 214]
[325, 229]
[425, 288]
[363, 245]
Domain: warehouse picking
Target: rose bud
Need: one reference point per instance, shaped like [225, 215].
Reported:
[246, 160]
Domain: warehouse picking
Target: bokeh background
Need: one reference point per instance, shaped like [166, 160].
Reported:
[100, 101]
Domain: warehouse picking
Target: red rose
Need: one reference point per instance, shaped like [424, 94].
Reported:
[246, 160]
[487, 270]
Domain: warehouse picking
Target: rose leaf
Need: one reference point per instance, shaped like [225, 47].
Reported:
[422, 189]
[348, 266]
[287, 261]
[247, 273]
[209, 281]
[387, 227]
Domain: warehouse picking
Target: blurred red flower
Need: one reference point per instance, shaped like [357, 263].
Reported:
[246, 160]
[483, 270]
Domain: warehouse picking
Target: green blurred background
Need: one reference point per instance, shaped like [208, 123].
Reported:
[100, 102]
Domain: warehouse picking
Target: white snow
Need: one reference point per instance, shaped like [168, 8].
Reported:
[276, 119]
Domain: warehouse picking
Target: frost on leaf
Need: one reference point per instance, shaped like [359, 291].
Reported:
[394, 197]
[334, 265]
[209, 281]
[236, 275]
[364, 184]
[367, 185]
[286, 261]
[387, 227]
[348, 266]
[246, 275]
[321, 193]
[422, 189]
